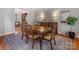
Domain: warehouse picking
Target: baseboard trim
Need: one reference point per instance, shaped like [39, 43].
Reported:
[76, 36]
[6, 34]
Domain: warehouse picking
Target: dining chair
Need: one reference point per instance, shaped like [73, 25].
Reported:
[24, 30]
[32, 35]
[51, 36]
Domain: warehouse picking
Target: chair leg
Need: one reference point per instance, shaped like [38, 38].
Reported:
[40, 44]
[32, 44]
[51, 45]
[22, 37]
[27, 39]
[54, 41]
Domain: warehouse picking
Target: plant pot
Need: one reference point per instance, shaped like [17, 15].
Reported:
[71, 35]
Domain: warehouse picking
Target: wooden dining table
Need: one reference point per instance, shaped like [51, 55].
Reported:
[41, 30]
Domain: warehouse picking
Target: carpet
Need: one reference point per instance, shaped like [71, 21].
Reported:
[16, 43]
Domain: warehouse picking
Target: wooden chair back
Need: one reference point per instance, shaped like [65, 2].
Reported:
[53, 30]
[30, 32]
[24, 28]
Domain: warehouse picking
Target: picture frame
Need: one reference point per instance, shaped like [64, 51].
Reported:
[64, 15]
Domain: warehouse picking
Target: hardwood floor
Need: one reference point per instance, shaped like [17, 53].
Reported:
[75, 44]
[3, 45]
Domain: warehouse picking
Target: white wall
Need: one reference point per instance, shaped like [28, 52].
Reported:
[46, 12]
[7, 21]
[1, 22]
[31, 13]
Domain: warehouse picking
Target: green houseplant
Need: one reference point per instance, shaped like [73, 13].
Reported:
[71, 21]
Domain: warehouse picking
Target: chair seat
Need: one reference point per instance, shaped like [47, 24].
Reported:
[35, 36]
[48, 36]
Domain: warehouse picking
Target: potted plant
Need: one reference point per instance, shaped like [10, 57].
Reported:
[71, 21]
